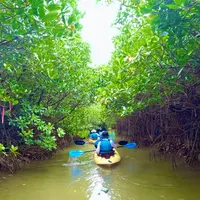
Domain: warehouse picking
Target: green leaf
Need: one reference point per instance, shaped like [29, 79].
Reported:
[2, 148]
[50, 17]
[63, 19]
[185, 2]
[54, 7]
[164, 33]
[172, 6]
[34, 10]
[78, 26]
[70, 19]
[180, 71]
[15, 102]
[178, 2]
[22, 32]
[41, 11]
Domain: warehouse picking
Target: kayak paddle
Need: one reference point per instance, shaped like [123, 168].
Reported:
[77, 153]
[123, 142]
[81, 142]
[129, 145]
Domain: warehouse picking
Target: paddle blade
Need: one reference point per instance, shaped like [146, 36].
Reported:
[123, 142]
[79, 142]
[130, 145]
[75, 153]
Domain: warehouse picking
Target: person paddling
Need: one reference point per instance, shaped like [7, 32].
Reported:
[93, 135]
[99, 131]
[105, 145]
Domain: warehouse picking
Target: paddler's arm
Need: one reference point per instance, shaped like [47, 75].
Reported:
[96, 143]
[113, 144]
[98, 148]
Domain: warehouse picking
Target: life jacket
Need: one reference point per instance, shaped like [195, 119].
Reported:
[93, 136]
[105, 146]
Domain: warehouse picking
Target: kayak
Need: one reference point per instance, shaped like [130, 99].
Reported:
[91, 141]
[104, 161]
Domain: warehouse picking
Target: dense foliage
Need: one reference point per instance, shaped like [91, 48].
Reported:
[44, 71]
[156, 53]
[47, 88]
[153, 77]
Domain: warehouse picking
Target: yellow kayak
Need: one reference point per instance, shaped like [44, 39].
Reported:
[90, 141]
[110, 161]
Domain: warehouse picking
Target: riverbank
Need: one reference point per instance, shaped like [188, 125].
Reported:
[10, 162]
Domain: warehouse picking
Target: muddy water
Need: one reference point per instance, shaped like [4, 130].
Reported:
[134, 178]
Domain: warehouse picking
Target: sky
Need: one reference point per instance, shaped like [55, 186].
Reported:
[97, 29]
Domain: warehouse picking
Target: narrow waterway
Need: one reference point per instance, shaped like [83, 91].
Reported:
[134, 178]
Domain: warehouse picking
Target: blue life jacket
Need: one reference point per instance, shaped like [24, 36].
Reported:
[93, 136]
[105, 146]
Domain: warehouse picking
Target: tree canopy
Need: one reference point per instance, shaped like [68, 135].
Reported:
[156, 54]
[44, 69]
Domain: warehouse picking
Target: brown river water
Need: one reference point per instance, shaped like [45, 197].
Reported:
[134, 178]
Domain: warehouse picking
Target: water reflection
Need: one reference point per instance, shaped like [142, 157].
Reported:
[100, 180]
[75, 172]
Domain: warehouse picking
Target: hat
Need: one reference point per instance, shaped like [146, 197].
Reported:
[93, 131]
